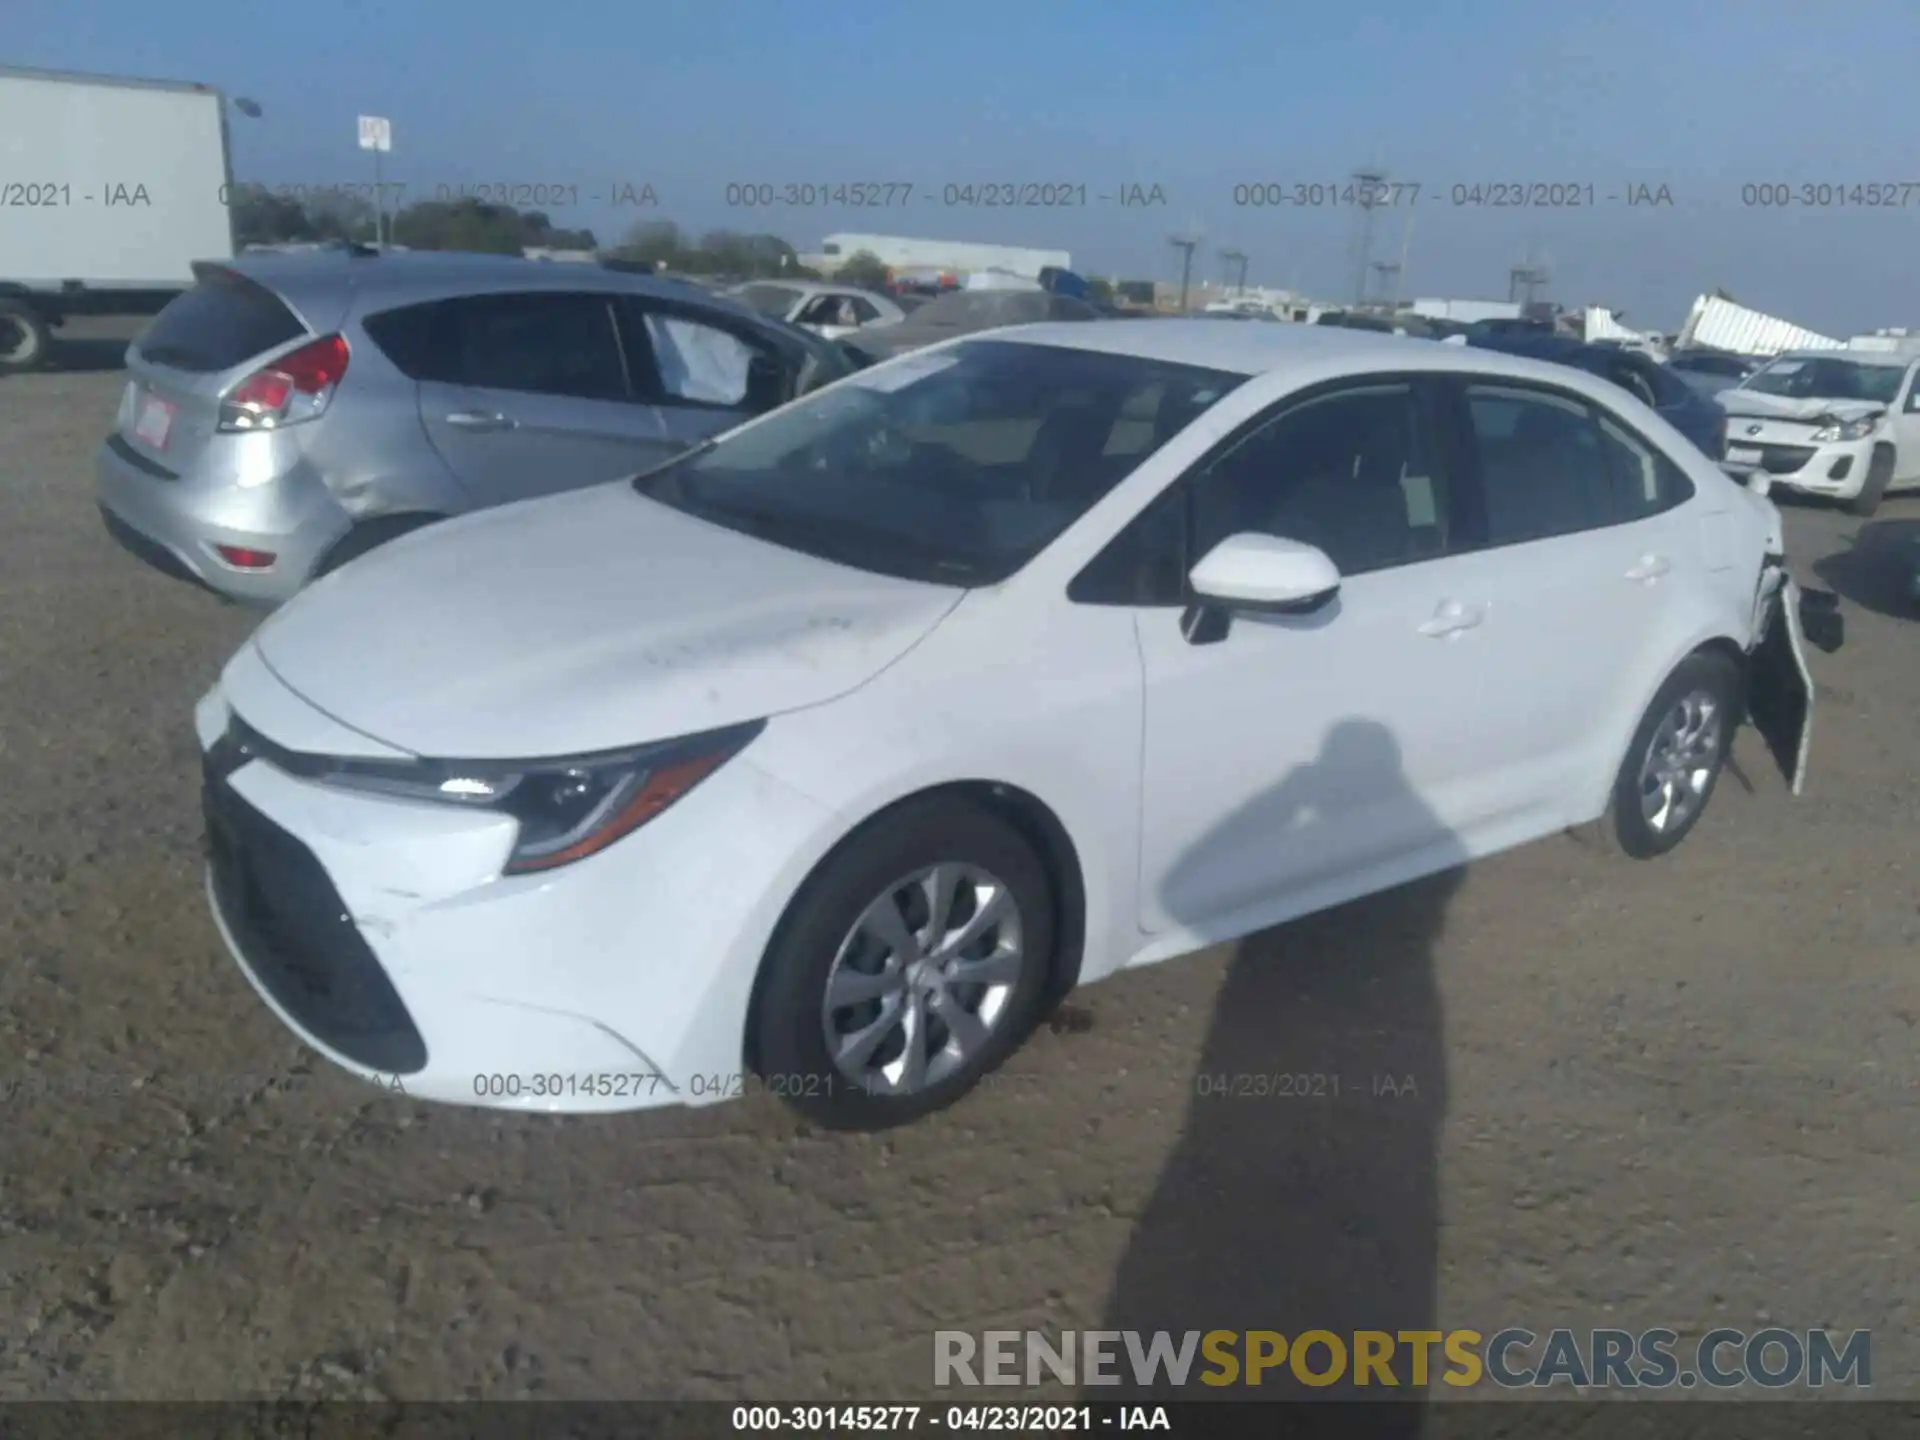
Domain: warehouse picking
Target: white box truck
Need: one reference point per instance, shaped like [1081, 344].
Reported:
[110, 189]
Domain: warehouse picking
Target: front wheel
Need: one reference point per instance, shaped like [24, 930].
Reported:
[912, 964]
[1678, 751]
[1879, 473]
[24, 338]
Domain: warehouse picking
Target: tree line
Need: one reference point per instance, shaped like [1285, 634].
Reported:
[262, 216]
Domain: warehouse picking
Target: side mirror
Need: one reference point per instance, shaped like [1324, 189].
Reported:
[1760, 483]
[1257, 572]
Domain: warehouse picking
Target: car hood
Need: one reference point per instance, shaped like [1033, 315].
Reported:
[1761, 406]
[583, 622]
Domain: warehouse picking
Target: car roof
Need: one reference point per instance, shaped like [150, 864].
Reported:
[380, 279]
[1247, 349]
[1856, 357]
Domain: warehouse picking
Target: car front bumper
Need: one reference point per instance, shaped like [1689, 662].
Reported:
[384, 934]
[1837, 470]
[173, 522]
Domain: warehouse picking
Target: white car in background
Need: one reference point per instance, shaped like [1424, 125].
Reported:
[823, 759]
[824, 308]
[1844, 424]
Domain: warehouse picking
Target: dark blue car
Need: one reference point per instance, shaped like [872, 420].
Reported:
[1695, 416]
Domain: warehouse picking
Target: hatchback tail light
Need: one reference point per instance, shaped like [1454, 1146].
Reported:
[293, 388]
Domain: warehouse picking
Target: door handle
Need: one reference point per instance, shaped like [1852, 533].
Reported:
[1450, 619]
[1649, 568]
[481, 420]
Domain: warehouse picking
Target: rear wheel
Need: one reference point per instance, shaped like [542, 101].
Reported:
[369, 535]
[24, 338]
[1879, 472]
[913, 963]
[1678, 751]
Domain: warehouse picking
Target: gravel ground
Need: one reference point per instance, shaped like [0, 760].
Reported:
[1676, 1094]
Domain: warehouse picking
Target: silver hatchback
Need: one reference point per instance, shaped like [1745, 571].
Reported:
[293, 411]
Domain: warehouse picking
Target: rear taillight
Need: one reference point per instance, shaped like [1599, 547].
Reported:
[242, 558]
[293, 388]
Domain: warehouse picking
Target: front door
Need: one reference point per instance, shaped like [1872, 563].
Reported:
[1302, 759]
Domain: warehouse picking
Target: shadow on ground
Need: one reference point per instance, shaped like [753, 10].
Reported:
[1877, 571]
[1302, 1194]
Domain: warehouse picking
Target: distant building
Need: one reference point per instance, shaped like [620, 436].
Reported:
[900, 252]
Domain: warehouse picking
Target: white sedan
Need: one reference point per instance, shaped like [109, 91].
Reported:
[826, 309]
[824, 758]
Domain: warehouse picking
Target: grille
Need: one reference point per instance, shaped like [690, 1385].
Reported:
[294, 935]
[1784, 459]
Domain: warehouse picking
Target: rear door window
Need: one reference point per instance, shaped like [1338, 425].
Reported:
[559, 343]
[223, 322]
[1543, 470]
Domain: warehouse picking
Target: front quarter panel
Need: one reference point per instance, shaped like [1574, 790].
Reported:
[1049, 705]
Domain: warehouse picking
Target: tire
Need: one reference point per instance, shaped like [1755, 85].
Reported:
[24, 338]
[1879, 472]
[826, 936]
[1627, 828]
[369, 535]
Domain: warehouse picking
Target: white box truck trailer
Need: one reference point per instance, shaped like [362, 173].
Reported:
[110, 189]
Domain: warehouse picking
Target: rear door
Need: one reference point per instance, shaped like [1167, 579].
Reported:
[1588, 546]
[196, 348]
[699, 371]
[525, 393]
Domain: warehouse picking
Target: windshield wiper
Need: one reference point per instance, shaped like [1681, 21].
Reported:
[835, 539]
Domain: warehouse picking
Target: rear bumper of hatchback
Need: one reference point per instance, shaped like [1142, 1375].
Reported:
[176, 523]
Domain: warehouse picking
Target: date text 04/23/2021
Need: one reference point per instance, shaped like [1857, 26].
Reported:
[906, 1419]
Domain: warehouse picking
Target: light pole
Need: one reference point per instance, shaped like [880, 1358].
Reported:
[1186, 245]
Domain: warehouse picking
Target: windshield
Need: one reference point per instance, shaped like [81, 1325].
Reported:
[768, 299]
[1826, 378]
[957, 467]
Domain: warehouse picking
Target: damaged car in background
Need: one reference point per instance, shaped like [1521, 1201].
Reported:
[838, 749]
[1842, 424]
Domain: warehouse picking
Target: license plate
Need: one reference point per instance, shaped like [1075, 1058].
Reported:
[154, 422]
[1742, 455]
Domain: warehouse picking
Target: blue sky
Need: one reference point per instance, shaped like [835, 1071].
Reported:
[1702, 96]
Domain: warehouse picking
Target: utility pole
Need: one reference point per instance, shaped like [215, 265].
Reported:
[1186, 245]
[1388, 274]
[1229, 259]
[1367, 185]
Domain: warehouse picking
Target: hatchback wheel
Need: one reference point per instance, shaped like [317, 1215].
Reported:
[1675, 760]
[367, 536]
[913, 962]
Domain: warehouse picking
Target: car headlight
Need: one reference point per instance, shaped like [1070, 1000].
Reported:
[568, 808]
[1847, 430]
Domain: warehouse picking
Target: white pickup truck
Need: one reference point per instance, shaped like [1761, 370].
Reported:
[110, 190]
[1843, 423]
